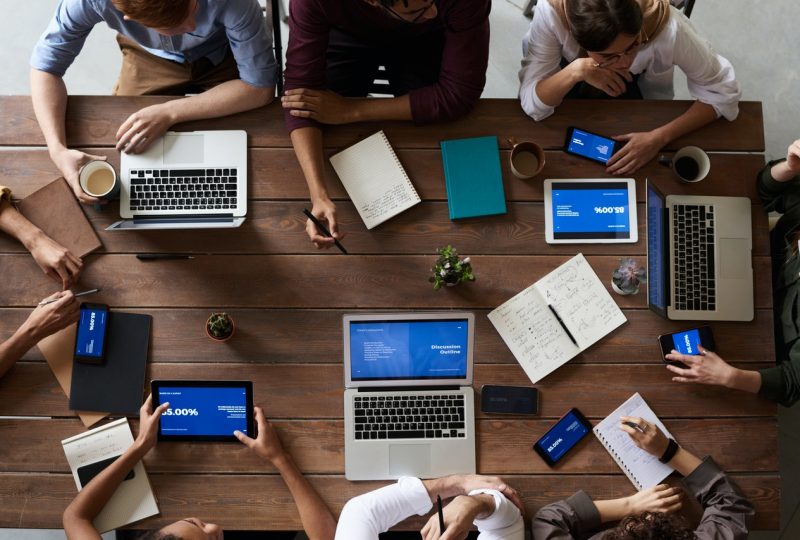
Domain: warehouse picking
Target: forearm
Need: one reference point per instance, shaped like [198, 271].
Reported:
[684, 462]
[781, 173]
[16, 225]
[227, 98]
[371, 109]
[613, 509]
[551, 91]
[317, 519]
[744, 379]
[14, 348]
[307, 143]
[49, 96]
[697, 116]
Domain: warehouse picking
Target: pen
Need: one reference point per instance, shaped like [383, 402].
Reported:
[564, 326]
[634, 426]
[161, 256]
[441, 515]
[323, 229]
[78, 295]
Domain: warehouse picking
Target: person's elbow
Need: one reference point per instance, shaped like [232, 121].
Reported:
[261, 95]
[532, 105]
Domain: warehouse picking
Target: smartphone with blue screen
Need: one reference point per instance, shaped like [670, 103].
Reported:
[591, 146]
[686, 342]
[562, 437]
[92, 335]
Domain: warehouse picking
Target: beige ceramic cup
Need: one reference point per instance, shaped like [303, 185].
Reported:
[527, 159]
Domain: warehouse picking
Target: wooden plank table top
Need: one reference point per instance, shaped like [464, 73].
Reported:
[288, 299]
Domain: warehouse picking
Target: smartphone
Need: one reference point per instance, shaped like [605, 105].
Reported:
[588, 145]
[562, 437]
[509, 399]
[92, 335]
[686, 342]
[87, 472]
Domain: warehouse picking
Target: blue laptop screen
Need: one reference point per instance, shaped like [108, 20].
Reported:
[403, 350]
[656, 290]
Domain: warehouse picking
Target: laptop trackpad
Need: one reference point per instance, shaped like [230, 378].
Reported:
[734, 257]
[181, 148]
[410, 460]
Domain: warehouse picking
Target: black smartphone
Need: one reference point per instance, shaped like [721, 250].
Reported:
[686, 342]
[92, 335]
[509, 399]
[588, 145]
[562, 437]
[87, 472]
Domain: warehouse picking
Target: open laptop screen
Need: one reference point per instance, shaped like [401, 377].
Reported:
[656, 290]
[409, 350]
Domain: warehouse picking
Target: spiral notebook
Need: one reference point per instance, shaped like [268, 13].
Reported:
[375, 180]
[641, 468]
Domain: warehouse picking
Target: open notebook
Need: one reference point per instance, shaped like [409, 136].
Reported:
[641, 468]
[375, 180]
[533, 333]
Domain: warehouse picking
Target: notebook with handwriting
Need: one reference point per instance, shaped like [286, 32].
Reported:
[375, 180]
[535, 336]
[641, 468]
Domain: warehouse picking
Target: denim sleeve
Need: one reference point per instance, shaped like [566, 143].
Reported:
[251, 37]
[65, 35]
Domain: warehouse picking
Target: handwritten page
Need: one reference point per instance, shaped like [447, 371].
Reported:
[375, 180]
[134, 499]
[530, 329]
[643, 469]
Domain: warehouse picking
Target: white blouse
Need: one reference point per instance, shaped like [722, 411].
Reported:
[710, 77]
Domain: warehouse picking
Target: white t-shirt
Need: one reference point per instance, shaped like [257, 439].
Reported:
[711, 78]
[366, 516]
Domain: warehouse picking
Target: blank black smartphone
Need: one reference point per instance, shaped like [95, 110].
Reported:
[562, 437]
[92, 334]
[686, 342]
[591, 146]
[87, 472]
[509, 399]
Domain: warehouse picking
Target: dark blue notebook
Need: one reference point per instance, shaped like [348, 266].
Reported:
[473, 177]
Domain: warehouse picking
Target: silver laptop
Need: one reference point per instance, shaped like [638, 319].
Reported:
[408, 400]
[699, 257]
[190, 180]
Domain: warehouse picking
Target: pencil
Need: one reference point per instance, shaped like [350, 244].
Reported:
[323, 229]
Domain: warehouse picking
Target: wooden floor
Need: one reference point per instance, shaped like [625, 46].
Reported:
[287, 300]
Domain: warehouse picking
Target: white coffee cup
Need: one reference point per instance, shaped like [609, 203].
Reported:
[99, 179]
[690, 164]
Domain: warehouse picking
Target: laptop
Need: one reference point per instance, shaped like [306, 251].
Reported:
[699, 257]
[189, 180]
[408, 400]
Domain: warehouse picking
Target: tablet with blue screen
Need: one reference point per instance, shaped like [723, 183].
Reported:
[590, 211]
[204, 410]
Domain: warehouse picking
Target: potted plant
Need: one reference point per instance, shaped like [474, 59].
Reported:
[220, 327]
[449, 269]
[626, 279]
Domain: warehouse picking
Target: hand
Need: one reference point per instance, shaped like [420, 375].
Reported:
[608, 79]
[651, 441]
[458, 518]
[793, 157]
[148, 423]
[323, 210]
[639, 149]
[660, 498]
[705, 368]
[50, 318]
[69, 162]
[266, 445]
[143, 127]
[55, 260]
[321, 105]
[470, 482]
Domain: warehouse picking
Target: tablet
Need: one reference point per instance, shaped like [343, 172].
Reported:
[590, 211]
[204, 410]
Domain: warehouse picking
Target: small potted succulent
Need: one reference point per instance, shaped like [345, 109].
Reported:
[449, 269]
[220, 327]
[626, 279]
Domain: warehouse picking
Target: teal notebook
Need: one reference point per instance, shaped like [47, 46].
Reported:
[473, 178]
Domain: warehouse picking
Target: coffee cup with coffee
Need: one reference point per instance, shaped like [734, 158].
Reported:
[527, 159]
[691, 164]
[99, 179]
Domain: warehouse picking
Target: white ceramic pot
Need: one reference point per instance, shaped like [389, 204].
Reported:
[620, 291]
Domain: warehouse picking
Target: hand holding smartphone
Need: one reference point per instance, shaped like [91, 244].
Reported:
[591, 146]
[686, 342]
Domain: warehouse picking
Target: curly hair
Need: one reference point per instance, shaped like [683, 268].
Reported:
[158, 535]
[595, 24]
[651, 526]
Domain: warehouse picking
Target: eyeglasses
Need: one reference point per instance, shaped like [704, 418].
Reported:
[609, 59]
[416, 14]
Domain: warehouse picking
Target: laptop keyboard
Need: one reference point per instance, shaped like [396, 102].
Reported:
[435, 416]
[693, 238]
[183, 189]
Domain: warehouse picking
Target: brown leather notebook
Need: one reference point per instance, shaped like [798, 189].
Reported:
[56, 211]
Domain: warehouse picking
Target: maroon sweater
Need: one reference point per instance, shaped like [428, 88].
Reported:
[464, 23]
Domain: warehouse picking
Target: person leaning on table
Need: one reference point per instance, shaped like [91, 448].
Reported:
[779, 189]
[318, 522]
[221, 49]
[627, 49]
[650, 512]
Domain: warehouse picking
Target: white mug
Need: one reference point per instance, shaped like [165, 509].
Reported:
[691, 164]
[98, 172]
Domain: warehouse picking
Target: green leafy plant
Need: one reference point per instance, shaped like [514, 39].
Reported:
[627, 278]
[449, 269]
[219, 326]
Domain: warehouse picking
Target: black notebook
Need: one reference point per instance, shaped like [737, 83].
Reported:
[116, 385]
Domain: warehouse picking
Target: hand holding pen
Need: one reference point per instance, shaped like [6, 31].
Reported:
[325, 232]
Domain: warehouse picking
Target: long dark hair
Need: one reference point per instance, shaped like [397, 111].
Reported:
[595, 24]
[651, 526]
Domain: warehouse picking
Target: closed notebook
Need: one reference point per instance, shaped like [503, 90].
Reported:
[473, 177]
[56, 211]
[116, 386]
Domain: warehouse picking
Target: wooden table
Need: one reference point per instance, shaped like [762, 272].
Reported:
[288, 299]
